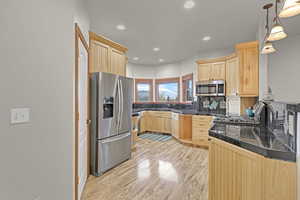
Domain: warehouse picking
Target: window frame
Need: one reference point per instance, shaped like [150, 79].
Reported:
[184, 88]
[166, 80]
[145, 81]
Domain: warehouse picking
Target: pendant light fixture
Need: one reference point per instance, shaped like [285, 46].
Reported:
[291, 8]
[268, 46]
[277, 31]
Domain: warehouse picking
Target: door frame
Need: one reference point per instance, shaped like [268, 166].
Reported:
[79, 38]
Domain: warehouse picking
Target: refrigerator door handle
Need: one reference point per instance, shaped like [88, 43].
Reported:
[120, 101]
[120, 137]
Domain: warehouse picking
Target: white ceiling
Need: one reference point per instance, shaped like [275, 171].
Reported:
[176, 31]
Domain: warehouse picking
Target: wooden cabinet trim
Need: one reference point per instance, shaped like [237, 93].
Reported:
[94, 36]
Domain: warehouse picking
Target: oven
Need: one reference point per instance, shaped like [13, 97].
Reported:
[210, 88]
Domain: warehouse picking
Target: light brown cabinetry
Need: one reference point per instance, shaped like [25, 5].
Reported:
[200, 127]
[232, 76]
[118, 62]
[185, 127]
[211, 71]
[106, 56]
[279, 180]
[238, 174]
[218, 71]
[204, 72]
[134, 132]
[248, 55]
[240, 70]
[156, 121]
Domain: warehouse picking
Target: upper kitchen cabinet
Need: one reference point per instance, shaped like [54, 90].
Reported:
[232, 76]
[239, 70]
[218, 71]
[204, 71]
[211, 70]
[106, 56]
[118, 62]
[248, 55]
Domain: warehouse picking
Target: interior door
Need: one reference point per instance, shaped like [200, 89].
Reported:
[83, 117]
[126, 85]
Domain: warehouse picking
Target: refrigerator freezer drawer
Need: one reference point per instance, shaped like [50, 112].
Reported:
[114, 151]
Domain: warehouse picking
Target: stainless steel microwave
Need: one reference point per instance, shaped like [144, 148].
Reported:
[210, 88]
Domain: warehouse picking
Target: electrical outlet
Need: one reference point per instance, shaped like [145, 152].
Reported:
[19, 115]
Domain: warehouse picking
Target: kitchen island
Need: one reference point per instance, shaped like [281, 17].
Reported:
[248, 162]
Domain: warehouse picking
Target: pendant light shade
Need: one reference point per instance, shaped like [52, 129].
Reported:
[268, 48]
[291, 8]
[277, 33]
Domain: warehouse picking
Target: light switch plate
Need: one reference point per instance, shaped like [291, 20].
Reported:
[19, 115]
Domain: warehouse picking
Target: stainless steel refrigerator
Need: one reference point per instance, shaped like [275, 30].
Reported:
[111, 109]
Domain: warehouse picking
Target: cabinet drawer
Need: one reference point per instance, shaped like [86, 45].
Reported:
[197, 131]
[201, 124]
[199, 118]
[162, 114]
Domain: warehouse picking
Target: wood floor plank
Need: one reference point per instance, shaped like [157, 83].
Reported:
[157, 171]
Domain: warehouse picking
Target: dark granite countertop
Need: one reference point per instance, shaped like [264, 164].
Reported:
[257, 139]
[135, 112]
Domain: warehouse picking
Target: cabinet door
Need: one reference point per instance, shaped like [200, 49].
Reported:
[143, 125]
[118, 62]
[234, 173]
[249, 79]
[167, 125]
[200, 127]
[204, 71]
[218, 71]
[232, 77]
[99, 57]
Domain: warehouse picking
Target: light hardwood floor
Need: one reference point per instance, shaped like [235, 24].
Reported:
[157, 171]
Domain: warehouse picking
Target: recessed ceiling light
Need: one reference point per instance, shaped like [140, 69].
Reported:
[206, 38]
[136, 58]
[161, 60]
[121, 27]
[156, 49]
[189, 4]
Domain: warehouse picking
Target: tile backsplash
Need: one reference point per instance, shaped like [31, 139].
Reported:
[164, 105]
[215, 105]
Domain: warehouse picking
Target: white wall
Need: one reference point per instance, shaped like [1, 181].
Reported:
[283, 67]
[37, 62]
[284, 70]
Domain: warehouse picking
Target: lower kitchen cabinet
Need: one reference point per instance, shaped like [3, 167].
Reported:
[156, 121]
[134, 132]
[200, 126]
[185, 127]
[238, 174]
